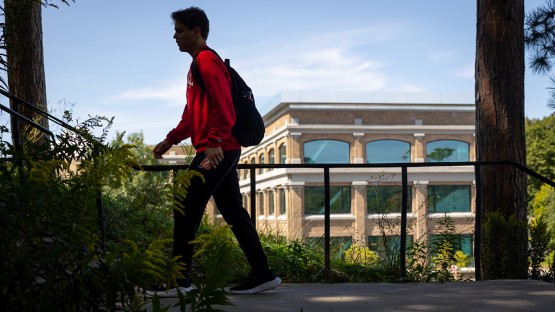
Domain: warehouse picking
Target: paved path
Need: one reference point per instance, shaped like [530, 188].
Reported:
[487, 296]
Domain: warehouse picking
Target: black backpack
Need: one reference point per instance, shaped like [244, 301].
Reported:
[249, 126]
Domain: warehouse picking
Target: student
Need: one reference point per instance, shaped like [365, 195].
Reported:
[207, 119]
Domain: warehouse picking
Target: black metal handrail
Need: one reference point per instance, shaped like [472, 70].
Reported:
[56, 120]
[404, 200]
[37, 110]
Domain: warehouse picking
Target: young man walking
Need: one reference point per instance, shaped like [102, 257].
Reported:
[207, 119]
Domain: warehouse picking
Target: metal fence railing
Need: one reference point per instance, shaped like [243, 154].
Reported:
[404, 199]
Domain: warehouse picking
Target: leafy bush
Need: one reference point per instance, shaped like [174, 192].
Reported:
[538, 249]
[211, 274]
[53, 256]
[498, 232]
[360, 255]
[293, 261]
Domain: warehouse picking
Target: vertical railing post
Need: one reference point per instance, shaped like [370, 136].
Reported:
[327, 212]
[477, 224]
[253, 195]
[404, 211]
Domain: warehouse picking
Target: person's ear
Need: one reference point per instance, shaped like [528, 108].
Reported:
[197, 30]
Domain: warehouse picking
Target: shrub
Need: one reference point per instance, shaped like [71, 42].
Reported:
[53, 255]
[360, 255]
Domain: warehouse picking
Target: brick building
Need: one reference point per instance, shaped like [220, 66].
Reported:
[358, 128]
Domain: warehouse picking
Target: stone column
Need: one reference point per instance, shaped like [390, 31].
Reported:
[419, 148]
[295, 211]
[420, 209]
[358, 154]
[359, 210]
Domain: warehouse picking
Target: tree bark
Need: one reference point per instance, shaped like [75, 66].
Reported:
[500, 136]
[24, 52]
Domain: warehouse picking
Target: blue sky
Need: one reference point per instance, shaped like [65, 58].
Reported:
[118, 58]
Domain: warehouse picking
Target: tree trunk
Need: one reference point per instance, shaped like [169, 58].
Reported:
[500, 136]
[26, 78]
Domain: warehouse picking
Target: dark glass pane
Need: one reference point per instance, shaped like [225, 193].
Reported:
[386, 198]
[340, 200]
[448, 198]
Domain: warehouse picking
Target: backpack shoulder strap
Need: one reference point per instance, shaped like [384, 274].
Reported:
[195, 71]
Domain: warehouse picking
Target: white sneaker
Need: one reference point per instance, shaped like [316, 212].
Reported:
[256, 284]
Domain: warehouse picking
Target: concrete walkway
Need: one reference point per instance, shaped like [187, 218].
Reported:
[490, 296]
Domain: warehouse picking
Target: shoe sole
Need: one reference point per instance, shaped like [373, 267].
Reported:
[260, 288]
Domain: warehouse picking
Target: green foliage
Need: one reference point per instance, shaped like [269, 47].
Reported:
[498, 234]
[543, 206]
[538, 247]
[445, 253]
[141, 208]
[462, 259]
[418, 264]
[361, 255]
[180, 187]
[50, 236]
[211, 274]
[540, 154]
[294, 261]
[439, 154]
[445, 248]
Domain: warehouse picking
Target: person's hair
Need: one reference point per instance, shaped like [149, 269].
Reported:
[193, 17]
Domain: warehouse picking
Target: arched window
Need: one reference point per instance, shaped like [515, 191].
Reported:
[282, 155]
[271, 157]
[326, 152]
[447, 150]
[387, 151]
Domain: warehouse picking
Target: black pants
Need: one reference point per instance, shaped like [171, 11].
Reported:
[223, 184]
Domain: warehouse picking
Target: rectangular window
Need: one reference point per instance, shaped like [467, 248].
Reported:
[387, 198]
[338, 245]
[340, 200]
[448, 198]
[282, 202]
[388, 246]
[260, 204]
[462, 242]
[271, 204]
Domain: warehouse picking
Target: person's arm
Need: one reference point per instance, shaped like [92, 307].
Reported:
[176, 135]
[182, 130]
[160, 149]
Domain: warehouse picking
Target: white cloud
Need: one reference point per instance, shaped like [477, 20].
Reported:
[330, 61]
[442, 56]
[172, 93]
[325, 62]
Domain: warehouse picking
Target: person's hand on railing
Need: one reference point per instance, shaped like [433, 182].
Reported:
[160, 149]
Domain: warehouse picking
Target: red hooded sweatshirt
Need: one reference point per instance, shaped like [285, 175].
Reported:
[209, 114]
